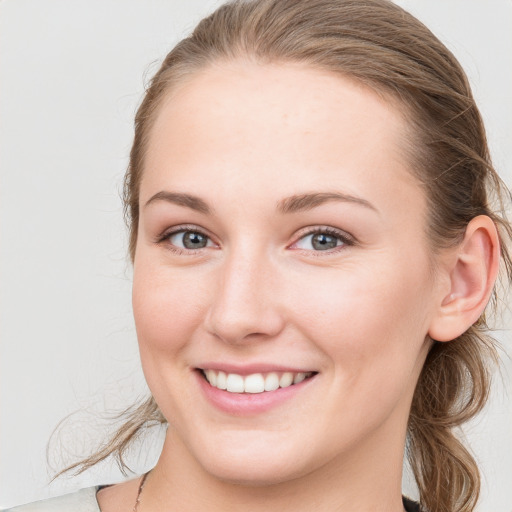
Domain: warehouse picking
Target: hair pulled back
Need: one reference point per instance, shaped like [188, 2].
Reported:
[384, 47]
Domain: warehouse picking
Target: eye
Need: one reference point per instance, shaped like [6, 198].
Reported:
[322, 240]
[189, 240]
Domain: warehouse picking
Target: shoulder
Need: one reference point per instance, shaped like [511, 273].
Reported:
[80, 501]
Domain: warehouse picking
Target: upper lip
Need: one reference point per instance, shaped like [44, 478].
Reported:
[249, 369]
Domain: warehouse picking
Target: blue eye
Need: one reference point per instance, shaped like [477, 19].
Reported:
[321, 241]
[190, 240]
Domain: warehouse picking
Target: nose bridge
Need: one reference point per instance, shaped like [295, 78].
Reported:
[242, 304]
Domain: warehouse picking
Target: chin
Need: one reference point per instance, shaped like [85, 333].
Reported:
[250, 474]
[254, 465]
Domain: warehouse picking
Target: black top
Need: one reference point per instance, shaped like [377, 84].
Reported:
[411, 506]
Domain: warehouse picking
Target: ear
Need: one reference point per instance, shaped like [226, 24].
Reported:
[471, 270]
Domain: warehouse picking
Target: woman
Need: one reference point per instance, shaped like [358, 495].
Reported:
[314, 246]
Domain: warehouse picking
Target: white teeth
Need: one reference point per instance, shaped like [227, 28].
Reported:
[254, 383]
[234, 383]
[212, 377]
[286, 379]
[299, 377]
[221, 380]
[271, 382]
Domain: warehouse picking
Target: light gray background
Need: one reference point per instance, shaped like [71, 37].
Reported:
[72, 73]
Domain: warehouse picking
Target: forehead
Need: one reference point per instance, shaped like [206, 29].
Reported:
[294, 126]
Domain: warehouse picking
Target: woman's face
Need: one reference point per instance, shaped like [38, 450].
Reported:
[281, 236]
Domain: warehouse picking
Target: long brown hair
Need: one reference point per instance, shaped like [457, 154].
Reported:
[386, 48]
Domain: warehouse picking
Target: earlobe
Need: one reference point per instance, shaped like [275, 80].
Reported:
[471, 269]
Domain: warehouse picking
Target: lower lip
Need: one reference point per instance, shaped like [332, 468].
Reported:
[244, 404]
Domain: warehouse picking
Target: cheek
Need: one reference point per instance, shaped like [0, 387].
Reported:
[366, 317]
[371, 326]
[166, 307]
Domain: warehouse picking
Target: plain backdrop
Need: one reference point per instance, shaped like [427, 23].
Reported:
[71, 76]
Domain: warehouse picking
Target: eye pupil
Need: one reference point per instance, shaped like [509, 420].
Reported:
[194, 240]
[323, 242]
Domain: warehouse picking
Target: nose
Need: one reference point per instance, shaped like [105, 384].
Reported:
[245, 304]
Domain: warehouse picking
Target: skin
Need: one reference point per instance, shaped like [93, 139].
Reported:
[243, 138]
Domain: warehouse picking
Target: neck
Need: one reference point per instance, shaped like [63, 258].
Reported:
[364, 480]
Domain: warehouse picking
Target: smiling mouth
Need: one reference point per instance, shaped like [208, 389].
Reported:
[254, 383]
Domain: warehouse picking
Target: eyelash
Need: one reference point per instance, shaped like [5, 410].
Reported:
[166, 235]
[346, 239]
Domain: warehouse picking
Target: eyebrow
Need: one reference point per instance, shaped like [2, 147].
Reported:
[304, 202]
[292, 204]
[181, 199]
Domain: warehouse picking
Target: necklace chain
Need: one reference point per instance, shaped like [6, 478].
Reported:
[139, 492]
